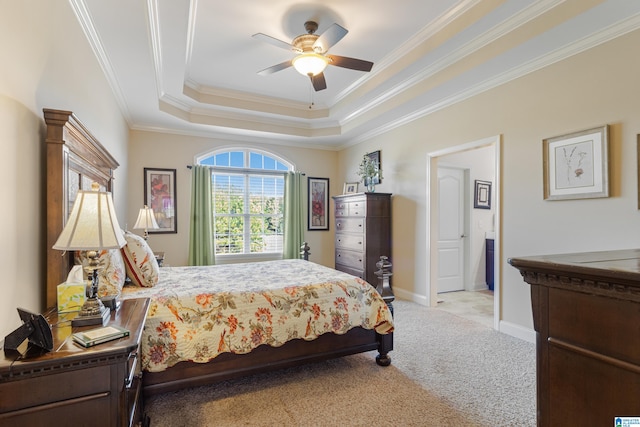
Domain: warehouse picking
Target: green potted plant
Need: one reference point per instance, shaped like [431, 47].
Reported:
[370, 173]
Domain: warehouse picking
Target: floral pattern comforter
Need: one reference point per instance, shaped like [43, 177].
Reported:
[197, 313]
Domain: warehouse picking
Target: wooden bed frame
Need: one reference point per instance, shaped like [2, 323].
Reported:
[74, 155]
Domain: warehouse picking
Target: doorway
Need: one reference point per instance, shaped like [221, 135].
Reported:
[477, 223]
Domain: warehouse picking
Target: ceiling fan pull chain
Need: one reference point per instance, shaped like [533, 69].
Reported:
[311, 96]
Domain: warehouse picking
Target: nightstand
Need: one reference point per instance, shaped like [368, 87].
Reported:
[74, 386]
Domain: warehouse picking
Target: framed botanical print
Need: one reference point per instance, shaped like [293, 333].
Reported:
[318, 196]
[576, 165]
[160, 195]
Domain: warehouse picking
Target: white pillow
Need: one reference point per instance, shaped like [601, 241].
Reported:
[139, 261]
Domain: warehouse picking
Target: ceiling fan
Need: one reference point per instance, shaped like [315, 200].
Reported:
[312, 56]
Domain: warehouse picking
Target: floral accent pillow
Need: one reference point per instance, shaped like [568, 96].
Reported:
[139, 260]
[111, 273]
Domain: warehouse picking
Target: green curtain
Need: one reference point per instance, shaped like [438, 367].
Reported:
[201, 251]
[295, 208]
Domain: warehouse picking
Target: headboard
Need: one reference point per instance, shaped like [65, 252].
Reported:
[75, 159]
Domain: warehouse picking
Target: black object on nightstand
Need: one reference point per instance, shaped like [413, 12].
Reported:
[71, 385]
[111, 302]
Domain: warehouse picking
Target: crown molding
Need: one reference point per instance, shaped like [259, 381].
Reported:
[456, 55]
[609, 33]
[86, 23]
[238, 137]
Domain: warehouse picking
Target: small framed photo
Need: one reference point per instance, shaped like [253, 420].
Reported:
[160, 195]
[576, 165]
[350, 188]
[318, 196]
[482, 195]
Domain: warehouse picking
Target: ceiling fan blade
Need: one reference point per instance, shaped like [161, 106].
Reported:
[318, 82]
[331, 36]
[275, 68]
[351, 63]
[275, 42]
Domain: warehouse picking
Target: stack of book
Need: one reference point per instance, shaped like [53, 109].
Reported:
[97, 336]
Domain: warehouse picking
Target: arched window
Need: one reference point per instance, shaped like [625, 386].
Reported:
[248, 201]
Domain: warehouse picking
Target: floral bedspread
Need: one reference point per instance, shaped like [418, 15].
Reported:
[197, 313]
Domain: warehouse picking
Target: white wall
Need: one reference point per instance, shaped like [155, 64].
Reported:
[178, 151]
[596, 87]
[46, 63]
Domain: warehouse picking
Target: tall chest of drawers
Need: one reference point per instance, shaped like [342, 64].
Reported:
[363, 233]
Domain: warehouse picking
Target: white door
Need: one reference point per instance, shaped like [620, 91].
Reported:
[451, 229]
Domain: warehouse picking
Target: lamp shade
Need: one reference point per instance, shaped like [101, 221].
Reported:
[146, 220]
[310, 63]
[92, 224]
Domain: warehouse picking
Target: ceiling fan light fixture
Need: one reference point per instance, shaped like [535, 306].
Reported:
[310, 63]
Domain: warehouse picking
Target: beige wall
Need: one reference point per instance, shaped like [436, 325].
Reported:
[178, 151]
[46, 63]
[594, 88]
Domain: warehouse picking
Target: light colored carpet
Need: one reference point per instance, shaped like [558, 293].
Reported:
[445, 371]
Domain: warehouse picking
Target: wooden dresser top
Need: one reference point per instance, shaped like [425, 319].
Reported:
[608, 273]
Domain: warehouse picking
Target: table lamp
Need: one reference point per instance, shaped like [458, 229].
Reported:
[146, 220]
[91, 227]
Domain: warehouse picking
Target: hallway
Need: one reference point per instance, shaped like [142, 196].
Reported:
[472, 305]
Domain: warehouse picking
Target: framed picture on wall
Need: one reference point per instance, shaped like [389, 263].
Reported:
[482, 195]
[375, 158]
[318, 210]
[160, 195]
[576, 165]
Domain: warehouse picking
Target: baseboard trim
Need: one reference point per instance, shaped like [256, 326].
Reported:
[410, 296]
[518, 331]
[505, 327]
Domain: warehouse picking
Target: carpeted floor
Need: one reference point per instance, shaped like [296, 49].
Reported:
[445, 371]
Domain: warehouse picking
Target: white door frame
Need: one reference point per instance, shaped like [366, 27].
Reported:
[432, 220]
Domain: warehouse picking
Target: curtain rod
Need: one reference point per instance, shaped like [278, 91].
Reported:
[241, 170]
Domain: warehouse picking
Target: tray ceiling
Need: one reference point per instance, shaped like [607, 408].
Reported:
[190, 67]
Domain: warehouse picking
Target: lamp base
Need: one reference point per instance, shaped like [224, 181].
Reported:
[101, 318]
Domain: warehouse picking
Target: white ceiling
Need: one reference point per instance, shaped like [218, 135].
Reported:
[190, 66]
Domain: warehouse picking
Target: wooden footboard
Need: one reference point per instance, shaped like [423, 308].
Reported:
[265, 358]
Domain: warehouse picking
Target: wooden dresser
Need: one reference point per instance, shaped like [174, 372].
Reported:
[74, 386]
[586, 312]
[363, 233]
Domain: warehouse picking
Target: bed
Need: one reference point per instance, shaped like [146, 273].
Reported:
[198, 331]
